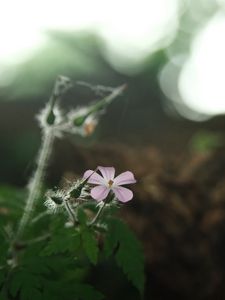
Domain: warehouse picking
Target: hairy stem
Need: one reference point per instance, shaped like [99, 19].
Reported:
[98, 214]
[107, 100]
[37, 240]
[40, 216]
[70, 212]
[100, 211]
[35, 185]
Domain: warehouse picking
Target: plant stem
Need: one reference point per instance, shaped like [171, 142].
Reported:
[95, 219]
[62, 84]
[107, 100]
[97, 216]
[40, 216]
[38, 239]
[70, 212]
[35, 185]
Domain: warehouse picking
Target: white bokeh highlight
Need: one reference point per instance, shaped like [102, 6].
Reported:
[202, 78]
[130, 29]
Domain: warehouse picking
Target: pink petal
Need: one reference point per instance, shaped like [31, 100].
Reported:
[124, 178]
[123, 194]
[99, 192]
[107, 172]
[95, 178]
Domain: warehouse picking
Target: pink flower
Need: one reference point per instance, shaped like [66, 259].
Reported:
[108, 182]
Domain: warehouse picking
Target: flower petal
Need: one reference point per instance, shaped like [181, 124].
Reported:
[124, 178]
[107, 172]
[123, 194]
[99, 192]
[95, 178]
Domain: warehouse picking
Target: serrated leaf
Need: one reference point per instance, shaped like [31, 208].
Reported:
[69, 290]
[111, 242]
[67, 242]
[27, 281]
[2, 276]
[31, 292]
[90, 245]
[48, 295]
[86, 291]
[81, 216]
[37, 265]
[26, 284]
[3, 294]
[3, 253]
[129, 255]
[15, 286]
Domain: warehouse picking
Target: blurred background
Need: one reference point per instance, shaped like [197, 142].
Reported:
[168, 127]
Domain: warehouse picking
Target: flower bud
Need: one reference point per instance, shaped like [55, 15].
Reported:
[79, 121]
[50, 118]
[57, 200]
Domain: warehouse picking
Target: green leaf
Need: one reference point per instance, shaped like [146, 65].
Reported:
[64, 241]
[68, 290]
[28, 281]
[86, 291]
[3, 294]
[15, 196]
[11, 203]
[111, 241]
[81, 216]
[37, 265]
[31, 293]
[2, 276]
[129, 255]
[90, 244]
[26, 284]
[3, 250]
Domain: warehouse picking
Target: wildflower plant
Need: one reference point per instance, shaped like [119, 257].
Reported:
[51, 240]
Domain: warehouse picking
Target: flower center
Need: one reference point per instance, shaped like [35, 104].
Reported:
[110, 183]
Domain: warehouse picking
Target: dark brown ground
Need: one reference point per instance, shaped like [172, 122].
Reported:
[178, 213]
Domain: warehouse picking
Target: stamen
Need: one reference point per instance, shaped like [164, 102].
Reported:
[110, 183]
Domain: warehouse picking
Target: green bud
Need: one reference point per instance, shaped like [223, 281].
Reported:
[50, 118]
[76, 192]
[57, 200]
[79, 121]
[98, 106]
